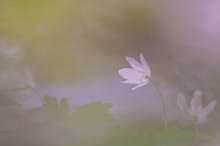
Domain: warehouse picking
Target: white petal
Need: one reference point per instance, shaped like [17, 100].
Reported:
[145, 64]
[196, 103]
[182, 103]
[136, 65]
[139, 85]
[197, 93]
[130, 82]
[209, 108]
[30, 77]
[131, 74]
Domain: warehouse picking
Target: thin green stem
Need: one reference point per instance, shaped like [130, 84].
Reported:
[40, 97]
[28, 87]
[196, 127]
[197, 131]
[162, 103]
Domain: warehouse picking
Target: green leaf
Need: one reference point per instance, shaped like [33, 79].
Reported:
[93, 113]
[51, 102]
[175, 137]
[8, 101]
[124, 138]
[64, 103]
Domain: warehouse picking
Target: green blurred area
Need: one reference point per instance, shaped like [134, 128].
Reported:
[55, 123]
[71, 37]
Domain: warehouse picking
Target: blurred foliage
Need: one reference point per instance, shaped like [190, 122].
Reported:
[70, 37]
[169, 137]
[174, 137]
[55, 123]
[95, 111]
[124, 138]
[7, 101]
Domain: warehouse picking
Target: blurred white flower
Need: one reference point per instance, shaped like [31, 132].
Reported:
[10, 53]
[139, 74]
[30, 78]
[32, 83]
[195, 111]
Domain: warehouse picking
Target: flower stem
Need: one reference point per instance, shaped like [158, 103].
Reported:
[162, 103]
[197, 131]
[40, 97]
[196, 127]
[33, 89]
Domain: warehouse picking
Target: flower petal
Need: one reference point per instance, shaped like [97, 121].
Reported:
[131, 74]
[209, 108]
[30, 77]
[196, 103]
[145, 64]
[130, 82]
[136, 65]
[139, 85]
[182, 103]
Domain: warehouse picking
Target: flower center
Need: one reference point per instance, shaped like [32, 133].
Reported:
[144, 78]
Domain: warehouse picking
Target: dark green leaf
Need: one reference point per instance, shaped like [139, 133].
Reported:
[124, 138]
[175, 137]
[64, 103]
[93, 113]
[51, 102]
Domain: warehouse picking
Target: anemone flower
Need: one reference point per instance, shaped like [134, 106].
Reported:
[195, 112]
[30, 78]
[31, 82]
[139, 74]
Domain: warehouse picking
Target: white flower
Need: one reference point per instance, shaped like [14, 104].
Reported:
[139, 74]
[31, 83]
[195, 111]
[30, 77]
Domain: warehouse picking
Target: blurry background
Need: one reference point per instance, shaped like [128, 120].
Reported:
[75, 49]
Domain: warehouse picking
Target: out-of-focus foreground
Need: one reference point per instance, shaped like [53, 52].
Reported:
[74, 48]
